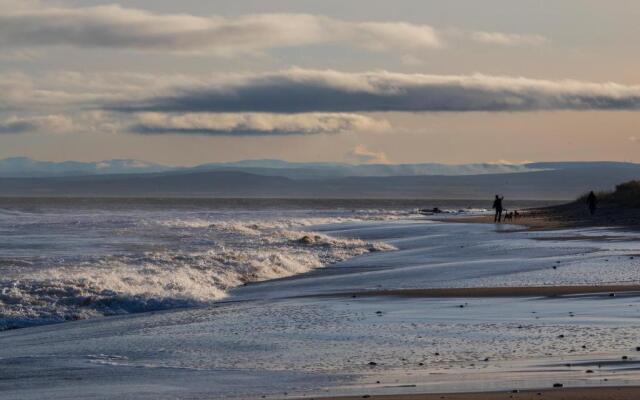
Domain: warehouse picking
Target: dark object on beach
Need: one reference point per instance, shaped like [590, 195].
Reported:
[592, 202]
[426, 211]
[638, 348]
[612, 295]
[560, 336]
[497, 205]
[625, 357]
[515, 391]
[373, 363]
[589, 371]
[558, 385]
[305, 240]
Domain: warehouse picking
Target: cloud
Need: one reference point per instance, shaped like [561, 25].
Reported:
[114, 26]
[17, 126]
[260, 103]
[47, 123]
[361, 155]
[17, 55]
[307, 91]
[509, 162]
[255, 124]
[507, 39]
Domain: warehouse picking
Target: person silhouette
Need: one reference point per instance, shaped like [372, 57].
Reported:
[497, 205]
[592, 202]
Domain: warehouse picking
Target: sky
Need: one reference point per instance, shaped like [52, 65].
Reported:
[360, 81]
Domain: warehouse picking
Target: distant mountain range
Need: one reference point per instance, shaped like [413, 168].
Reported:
[22, 167]
[274, 178]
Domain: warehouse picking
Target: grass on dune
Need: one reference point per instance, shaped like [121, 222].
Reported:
[626, 194]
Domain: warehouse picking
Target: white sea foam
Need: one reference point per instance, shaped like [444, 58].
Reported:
[243, 252]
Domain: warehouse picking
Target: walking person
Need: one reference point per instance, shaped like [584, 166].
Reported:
[497, 205]
[592, 202]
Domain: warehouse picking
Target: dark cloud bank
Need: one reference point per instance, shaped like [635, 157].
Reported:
[301, 91]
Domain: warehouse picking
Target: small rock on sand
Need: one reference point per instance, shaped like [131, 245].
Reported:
[305, 240]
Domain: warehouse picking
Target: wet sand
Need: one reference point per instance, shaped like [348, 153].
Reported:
[524, 291]
[585, 393]
[530, 221]
[539, 219]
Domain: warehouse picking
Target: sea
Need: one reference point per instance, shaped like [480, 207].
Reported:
[65, 259]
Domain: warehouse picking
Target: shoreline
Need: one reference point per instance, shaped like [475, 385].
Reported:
[528, 222]
[574, 393]
[564, 216]
[507, 291]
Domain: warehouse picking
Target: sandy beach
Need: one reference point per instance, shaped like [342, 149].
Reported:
[565, 216]
[594, 393]
[523, 291]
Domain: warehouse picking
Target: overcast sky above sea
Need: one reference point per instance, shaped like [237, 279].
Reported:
[363, 81]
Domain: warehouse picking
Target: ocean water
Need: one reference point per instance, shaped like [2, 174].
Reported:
[69, 259]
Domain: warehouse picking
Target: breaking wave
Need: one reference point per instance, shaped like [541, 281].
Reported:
[238, 253]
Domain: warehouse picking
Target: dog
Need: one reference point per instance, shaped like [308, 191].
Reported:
[508, 216]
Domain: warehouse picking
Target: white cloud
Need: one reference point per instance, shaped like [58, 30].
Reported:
[510, 162]
[114, 26]
[362, 155]
[507, 39]
[39, 24]
[252, 124]
[329, 101]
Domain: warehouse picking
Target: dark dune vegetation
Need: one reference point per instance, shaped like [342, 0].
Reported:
[617, 208]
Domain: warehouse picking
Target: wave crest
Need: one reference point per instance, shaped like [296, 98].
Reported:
[168, 279]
